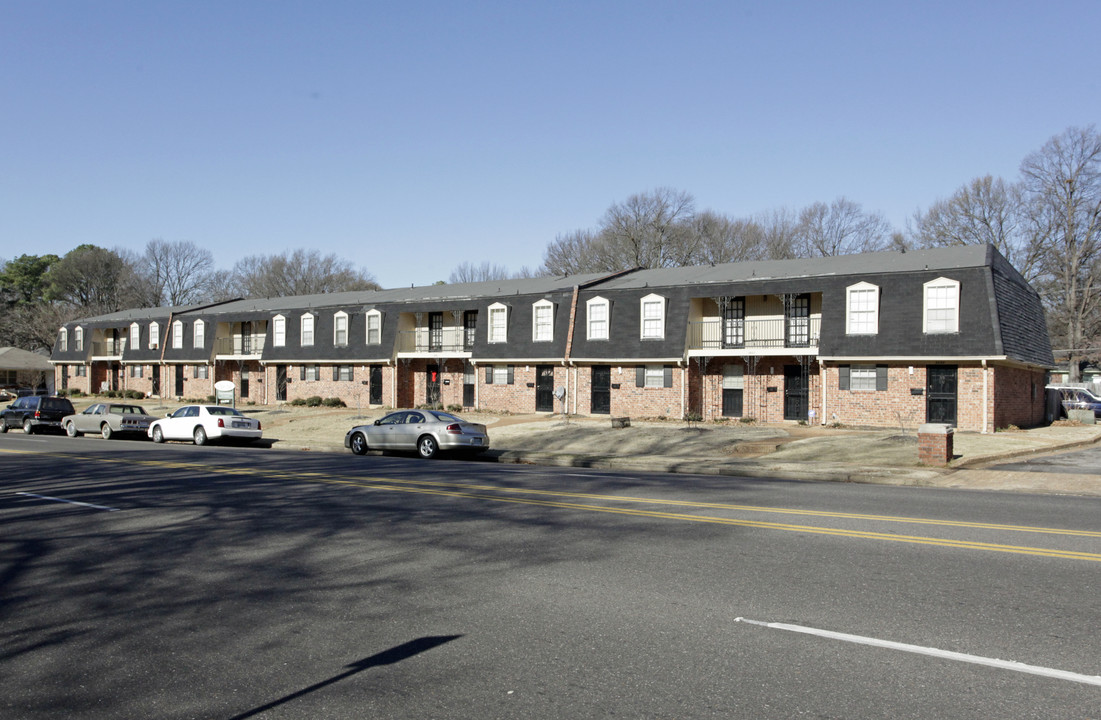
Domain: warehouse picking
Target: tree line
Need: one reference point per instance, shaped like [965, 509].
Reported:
[1046, 221]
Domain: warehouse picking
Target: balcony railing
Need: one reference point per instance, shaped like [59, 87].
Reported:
[443, 340]
[239, 345]
[754, 334]
[109, 348]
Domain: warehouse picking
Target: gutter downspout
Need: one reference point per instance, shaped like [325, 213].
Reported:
[985, 395]
[822, 379]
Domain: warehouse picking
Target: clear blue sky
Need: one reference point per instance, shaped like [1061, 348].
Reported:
[408, 137]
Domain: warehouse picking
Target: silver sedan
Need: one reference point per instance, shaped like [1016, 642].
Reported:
[425, 431]
[108, 419]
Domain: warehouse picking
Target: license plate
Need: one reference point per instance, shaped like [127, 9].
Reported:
[241, 425]
[476, 441]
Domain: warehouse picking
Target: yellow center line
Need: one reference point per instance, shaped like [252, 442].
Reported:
[526, 496]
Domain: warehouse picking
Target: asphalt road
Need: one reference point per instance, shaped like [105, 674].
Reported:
[1086, 462]
[241, 582]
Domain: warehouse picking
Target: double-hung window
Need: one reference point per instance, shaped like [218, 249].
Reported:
[279, 331]
[177, 334]
[498, 323]
[862, 309]
[154, 336]
[307, 330]
[654, 376]
[941, 310]
[652, 310]
[311, 372]
[862, 378]
[198, 334]
[340, 329]
[499, 374]
[135, 336]
[374, 327]
[542, 321]
[63, 340]
[79, 337]
[596, 311]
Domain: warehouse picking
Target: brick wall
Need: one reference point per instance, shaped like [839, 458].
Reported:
[706, 390]
[1020, 397]
[354, 392]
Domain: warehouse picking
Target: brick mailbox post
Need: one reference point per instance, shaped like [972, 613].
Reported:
[935, 443]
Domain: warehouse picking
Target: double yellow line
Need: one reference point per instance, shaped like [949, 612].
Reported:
[569, 501]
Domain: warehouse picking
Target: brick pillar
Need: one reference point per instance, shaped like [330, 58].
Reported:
[935, 444]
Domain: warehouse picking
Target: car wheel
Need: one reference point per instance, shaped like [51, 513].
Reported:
[158, 434]
[28, 427]
[427, 447]
[3, 426]
[200, 436]
[359, 444]
[105, 431]
[70, 429]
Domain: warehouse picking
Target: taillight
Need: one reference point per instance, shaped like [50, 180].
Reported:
[37, 414]
[258, 425]
[221, 422]
[454, 429]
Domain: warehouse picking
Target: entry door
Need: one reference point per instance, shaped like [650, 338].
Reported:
[435, 331]
[244, 382]
[432, 385]
[280, 382]
[733, 384]
[600, 393]
[374, 393]
[940, 393]
[179, 380]
[796, 393]
[156, 378]
[544, 388]
[470, 377]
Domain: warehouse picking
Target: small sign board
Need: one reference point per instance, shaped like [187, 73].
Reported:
[225, 393]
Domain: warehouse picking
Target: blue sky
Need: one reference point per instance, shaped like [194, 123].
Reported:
[409, 137]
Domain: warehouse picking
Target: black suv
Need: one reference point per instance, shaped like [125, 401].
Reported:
[35, 412]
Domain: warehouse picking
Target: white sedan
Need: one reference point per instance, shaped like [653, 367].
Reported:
[200, 423]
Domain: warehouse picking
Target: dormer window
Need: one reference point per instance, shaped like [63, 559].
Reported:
[135, 336]
[279, 331]
[306, 338]
[542, 321]
[652, 312]
[340, 329]
[596, 317]
[154, 336]
[63, 340]
[941, 309]
[198, 334]
[78, 335]
[177, 334]
[374, 327]
[862, 309]
[498, 323]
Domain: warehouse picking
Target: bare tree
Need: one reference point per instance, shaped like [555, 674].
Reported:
[1062, 193]
[779, 229]
[468, 272]
[93, 280]
[649, 230]
[176, 273]
[571, 254]
[986, 210]
[840, 228]
[301, 272]
[720, 239]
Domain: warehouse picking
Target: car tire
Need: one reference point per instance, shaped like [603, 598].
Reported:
[427, 447]
[3, 426]
[70, 430]
[105, 431]
[199, 436]
[28, 427]
[158, 434]
[358, 443]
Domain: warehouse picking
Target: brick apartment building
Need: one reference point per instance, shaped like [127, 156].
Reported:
[951, 335]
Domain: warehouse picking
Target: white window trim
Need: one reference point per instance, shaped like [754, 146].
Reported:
[874, 312]
[865, 374]
[63, 340]
[595, 303]
[135, 336]
[78, 337]
[177, 335]
[198, 334]
[279, 331]
[337, 317]
[654, 376]
[377, 316]
[940, 282]
[302, 330]
[154, 335]
[535, 308]
[503, 309]
[652, 298]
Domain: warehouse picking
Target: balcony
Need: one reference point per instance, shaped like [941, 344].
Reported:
[447, 341]
[109, 348]
[754, 336]
[239, 345]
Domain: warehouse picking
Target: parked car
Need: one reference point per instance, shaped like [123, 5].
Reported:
[109, 419]
[35, 412]
[425, 431]
[200, 423]
[1075, 398]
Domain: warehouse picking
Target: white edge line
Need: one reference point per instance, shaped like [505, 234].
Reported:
[71, 502]
[933, 652]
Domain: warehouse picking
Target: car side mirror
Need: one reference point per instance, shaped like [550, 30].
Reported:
[168, 414]
[377, 422]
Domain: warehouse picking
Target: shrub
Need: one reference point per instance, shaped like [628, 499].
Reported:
[313, 401]
[454, 408]
[747, 420]
[298, 402]
[333, 402]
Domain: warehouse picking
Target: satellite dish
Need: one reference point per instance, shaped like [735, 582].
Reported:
[224, 385]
